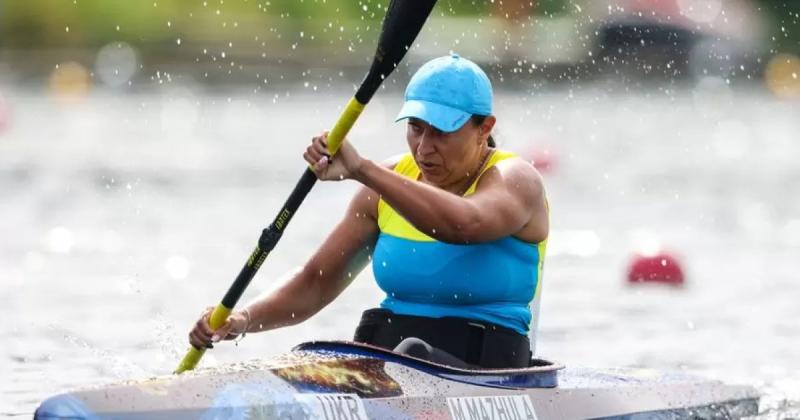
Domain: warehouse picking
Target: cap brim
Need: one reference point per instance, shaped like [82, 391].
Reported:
[442, 117]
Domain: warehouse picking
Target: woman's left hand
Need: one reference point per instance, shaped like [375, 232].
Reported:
[202, 336]
[342, 166]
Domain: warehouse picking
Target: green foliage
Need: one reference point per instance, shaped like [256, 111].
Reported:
[33, 24]
[552, 7]
[75, 23]
[784, 32]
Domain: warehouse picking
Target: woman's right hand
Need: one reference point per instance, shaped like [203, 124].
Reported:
[343, 166]
[202, 336]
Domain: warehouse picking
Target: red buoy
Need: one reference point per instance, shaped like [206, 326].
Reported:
[544, 160]
[659, 268]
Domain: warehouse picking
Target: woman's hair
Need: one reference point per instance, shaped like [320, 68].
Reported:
[478, 120]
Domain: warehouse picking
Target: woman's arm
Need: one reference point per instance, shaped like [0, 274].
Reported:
[304, 292]
[342, 256]
[509, 198]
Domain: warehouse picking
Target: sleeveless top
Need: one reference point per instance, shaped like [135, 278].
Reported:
[495, 281]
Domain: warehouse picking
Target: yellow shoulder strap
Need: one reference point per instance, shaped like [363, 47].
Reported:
[497, 156]
[388, 220]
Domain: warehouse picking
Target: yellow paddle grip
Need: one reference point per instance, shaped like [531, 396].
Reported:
[343, 125]
[218, 317]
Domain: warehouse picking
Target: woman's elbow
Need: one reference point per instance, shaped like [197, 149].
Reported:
[311, 290]
[465, 231]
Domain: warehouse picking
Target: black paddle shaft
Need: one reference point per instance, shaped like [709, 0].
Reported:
[269, 238]
[401, 25]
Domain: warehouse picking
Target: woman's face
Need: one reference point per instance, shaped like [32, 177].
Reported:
[446, 158]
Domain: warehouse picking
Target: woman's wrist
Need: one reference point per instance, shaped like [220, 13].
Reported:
[248, 320]
[360, 171]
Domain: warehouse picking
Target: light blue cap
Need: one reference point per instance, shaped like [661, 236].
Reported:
[446, 91]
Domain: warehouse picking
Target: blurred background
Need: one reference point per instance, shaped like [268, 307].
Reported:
[144, 145]
[213, 43]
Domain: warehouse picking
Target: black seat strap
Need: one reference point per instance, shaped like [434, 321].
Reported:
[476, 343]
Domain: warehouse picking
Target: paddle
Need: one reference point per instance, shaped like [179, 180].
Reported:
[402, 23]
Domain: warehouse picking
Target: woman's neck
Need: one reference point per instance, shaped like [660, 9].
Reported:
[461, 186]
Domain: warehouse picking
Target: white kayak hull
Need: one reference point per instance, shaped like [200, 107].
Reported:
[347, 381]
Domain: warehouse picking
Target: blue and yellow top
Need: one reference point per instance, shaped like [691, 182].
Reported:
[497, 281]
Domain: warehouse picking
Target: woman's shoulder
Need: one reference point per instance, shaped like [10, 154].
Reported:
[509, 160]
[403, 164]
[510, 167]
[393, 161]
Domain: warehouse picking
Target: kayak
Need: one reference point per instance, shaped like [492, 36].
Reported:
[338, 380]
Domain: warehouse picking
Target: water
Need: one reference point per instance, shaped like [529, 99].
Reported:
[123, 216]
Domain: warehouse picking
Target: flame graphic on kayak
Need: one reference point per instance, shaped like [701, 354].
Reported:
[364, 377]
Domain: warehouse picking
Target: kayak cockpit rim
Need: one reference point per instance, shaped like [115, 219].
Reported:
[537, 365]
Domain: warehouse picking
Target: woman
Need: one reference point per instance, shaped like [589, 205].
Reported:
[455, 230]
